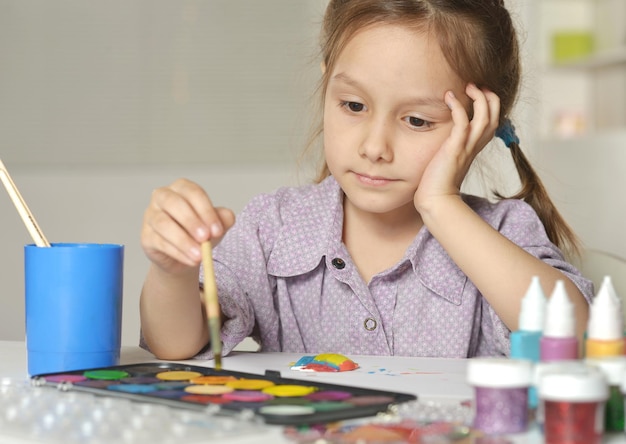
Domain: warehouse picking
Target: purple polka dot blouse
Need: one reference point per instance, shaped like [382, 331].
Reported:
[285, 277]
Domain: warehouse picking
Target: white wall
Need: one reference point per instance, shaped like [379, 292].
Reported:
[154, 81]
[587, 179]
[584, 174]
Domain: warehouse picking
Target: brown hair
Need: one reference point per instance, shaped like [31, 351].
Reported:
[480, 43]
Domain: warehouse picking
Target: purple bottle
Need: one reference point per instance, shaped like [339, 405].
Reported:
[559, 341]
[500, 394]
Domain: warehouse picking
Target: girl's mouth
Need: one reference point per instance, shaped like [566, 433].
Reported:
[372, 180]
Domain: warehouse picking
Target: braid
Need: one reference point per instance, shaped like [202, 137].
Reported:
[534, 193]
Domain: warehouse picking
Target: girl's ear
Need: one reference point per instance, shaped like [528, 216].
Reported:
[323, 67]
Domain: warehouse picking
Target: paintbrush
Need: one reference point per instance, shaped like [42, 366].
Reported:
[211, 304]
[27, 217]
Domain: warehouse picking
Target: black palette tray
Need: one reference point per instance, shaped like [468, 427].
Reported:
[322, 402]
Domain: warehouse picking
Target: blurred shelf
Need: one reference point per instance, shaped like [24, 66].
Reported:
[602, 59]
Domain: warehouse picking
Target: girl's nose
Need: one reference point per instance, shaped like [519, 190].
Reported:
[376, 144]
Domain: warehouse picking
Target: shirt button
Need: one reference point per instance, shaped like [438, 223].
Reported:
[338, 263]
[370, 324]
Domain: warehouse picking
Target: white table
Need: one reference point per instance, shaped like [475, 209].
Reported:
[428, 378]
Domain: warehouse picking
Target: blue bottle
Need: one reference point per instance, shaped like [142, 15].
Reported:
[525, 342]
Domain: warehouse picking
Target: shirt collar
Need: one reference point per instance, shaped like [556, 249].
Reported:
[312, 229]
[436, 270]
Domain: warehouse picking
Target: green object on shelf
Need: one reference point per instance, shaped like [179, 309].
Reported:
[569, 46]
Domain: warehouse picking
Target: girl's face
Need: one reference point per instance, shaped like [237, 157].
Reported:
[385, 115]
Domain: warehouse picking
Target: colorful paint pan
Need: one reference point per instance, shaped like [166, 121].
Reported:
[329, 395]
[247, 396]
[167, 394]
[108, 375]
[180, 375]
[96, 383]
[171, 385]
[250, 384]
[289, 391]
[203, 389]
[66, 378]
[288, 410]
[205, 399]
[133, 388]
[329, 406]
[213, 380]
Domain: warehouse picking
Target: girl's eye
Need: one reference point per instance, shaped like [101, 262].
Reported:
[417, 122]
[355, 107]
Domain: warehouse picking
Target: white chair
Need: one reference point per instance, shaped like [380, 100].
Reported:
[247, 345]
[595, 264]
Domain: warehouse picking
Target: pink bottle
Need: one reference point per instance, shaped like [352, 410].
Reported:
[559, 341]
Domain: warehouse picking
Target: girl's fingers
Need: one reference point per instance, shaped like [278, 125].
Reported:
[460, 119]
[493, 102]
[171, 205]
[480, 119]
[227, 217]
[486, 106]
[472, 135]
[176, 245]
[179, 218]
[203, 222]
[171, 224]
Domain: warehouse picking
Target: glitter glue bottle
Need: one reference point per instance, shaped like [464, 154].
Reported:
[573, 406]
[614, 369]
[543, 368]
[605, 330]
[559, 339]
[501, 394]
[525, 341]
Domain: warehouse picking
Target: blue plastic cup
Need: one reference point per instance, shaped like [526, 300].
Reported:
[73, 306]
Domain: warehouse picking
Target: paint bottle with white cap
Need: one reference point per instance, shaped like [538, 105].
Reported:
[559, 341]
[501, 394]
[605, 330]
[525, 341]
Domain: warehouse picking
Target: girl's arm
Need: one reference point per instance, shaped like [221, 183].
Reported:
[500, 269]
[179, 218]
[173, 320]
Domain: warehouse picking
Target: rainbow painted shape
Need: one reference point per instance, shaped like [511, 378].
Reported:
[325, 362]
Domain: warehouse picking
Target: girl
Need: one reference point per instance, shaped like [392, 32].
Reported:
[383, 255]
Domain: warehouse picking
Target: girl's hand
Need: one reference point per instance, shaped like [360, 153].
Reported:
[178, 219]
[448, 167]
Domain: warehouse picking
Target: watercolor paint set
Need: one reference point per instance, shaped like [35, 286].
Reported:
[274, 399]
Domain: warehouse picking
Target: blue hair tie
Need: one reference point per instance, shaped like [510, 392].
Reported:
[506, 132]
